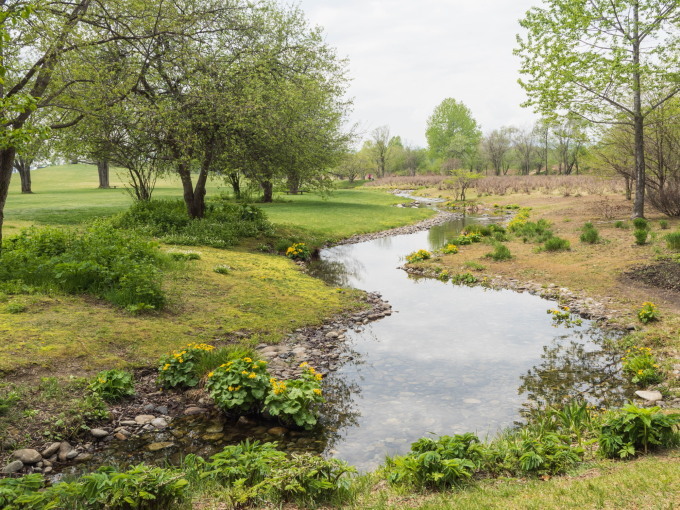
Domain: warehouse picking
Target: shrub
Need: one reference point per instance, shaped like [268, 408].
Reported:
[298, 251]
[118, 266]
[418, 256]
[475, 266]
[248, 463]
[7, 401]
[632, 429]
[179, 369]
[184, 255]
[500, 253]
[113, 384]
[222, 269]
[640, 224]
[663, 224]
[641, 236]
[641, 365]
[648, 312]
[239, 384]
[223, 225]
[464, 279]
[467, 238]
[292, 401]
[548, 453]
[620, 224]
[589, 234]
[450, 249]
[673, 240]
[556, 244]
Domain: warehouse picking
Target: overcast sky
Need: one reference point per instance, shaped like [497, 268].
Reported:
[406, 56]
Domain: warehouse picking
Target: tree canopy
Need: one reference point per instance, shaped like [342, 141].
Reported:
[452, 132]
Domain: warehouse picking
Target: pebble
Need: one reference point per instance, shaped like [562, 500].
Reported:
[27, 456]
[154, 447]
[13, 467]
[120, 436]
[277, 431]
[64, 449]
[649, 396]
[189, 411]
[143, 419]
[50, 450]
[159, 423]
[99, 433]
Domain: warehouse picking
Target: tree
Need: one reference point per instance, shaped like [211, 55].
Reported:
[498, 147]
[606, 61]
[452, 133]
[524, 142]
[570, 139]
[381, 148]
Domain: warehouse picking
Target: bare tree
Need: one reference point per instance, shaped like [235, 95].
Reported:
[381, 148]
[497, 146]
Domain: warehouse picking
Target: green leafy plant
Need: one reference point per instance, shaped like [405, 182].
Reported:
[589, 234]
[641, 236]
[631, 430]
[15, 307]
[292, 401]
[418, 256]
[437, 464]
[563, 316]
[474, 266]
[450, 249]
[7, 400]
[663, 224]
[464, 279]
[500, 253]
[298, 251]
[113, 384]
[640, 224]
[640, 363]
[222, 269]
[673, 240]
[179, 369]
[620, 224]
[248, 463]
[648, 312]
[240, 384]
[184, 255]
[556, 244]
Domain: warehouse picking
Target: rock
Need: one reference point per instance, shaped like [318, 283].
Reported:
[143, 419]
[120, 436]
[159, 423]
[27, 456]
[212, 437]
[50, 450]
[154, 447]
[215, 428]
[64, 449]
[650, 396]
[332, 334]
[48, 470]
[277, 431]
[84, 457]
[99, 433]
[128, 423]
[161, 410]
[244, 420]
[148, 408]
[72, 454]
[189, 411]
[12, 467]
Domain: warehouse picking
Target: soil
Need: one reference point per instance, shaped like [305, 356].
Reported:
[663, 275]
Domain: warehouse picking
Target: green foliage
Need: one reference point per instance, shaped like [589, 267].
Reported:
[450, 249]
[15, 307]
[641, 236]
[7, 400]
[184, 255]
[223, 225]
[648, 312]
[663, 224]
[118, 266]
[222, 269]
[530, 231]
[112, 385]
[239, 385]
[298, 251]
[292, 401]
[640, 224]
[589, 234]
[621, 224]
[28, 493]
[563, 316]
[630, 430]
[556, 244]
[467, 237]
[437, 464]
[473, 265]
[464, 279]
[247, 463]
[418, 256]
[640, 363]
[673, 240]
[501, 252]
[451, 131]
[180, 369]
[140, 487]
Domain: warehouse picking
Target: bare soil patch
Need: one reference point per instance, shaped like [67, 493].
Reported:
[664, 275]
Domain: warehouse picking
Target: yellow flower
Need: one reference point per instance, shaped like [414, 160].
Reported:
[211, 374]
[230, 388]
[318, 377]
[252, 375]
[304, 364]
[317, 391]
[247, 360]
[244, 372]
[166, 366]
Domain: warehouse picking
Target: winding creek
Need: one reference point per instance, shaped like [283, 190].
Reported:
[449, 359]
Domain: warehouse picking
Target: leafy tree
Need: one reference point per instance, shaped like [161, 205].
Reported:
[381, 148]
[606, 61]
[525, 146]
[570, 139]
[452, 133]
[498, 148]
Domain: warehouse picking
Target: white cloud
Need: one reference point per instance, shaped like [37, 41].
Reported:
[407, 56]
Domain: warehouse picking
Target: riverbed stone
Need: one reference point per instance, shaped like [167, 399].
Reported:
[215, 428]
[65, 449]
[190, 411]
[84, 457]
[159, 423]
[72, 454]
[143, 419]
[212, 437]
[27, 456]
[99, 433]
[128, 423]
[50, 450]
[649, 396]
[154, 447]
[277, 431]
[12, 467]
[161, 410]
[120, 436]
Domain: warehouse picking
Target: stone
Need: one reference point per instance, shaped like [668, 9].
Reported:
[27, 456]
[190, 411]
[159, 423]
[120, 436]
[212, 437]
[72, 454]
[244, 420]
[161, 410]
[332, 334]
[64, 449]
[48, 470]
[50, 450]
[277, 431]
[128, 423]
[84, 457]
[12, 467]
[143, 419]
[99, 433]
[649, 396]
[148, 408]
[215, 428]
[154, 447]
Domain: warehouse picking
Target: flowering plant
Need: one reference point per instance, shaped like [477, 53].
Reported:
[298, 251]
[113, 384]
[641, 364]
[178, 368]
[292, 400]
[450, 249]
[563, 316]
[648, 312]
[239, 384]
[418, 256]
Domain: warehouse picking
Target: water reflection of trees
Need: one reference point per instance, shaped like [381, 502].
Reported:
[337, 273]
[575, 370]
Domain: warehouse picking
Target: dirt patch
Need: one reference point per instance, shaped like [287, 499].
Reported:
[664, 275]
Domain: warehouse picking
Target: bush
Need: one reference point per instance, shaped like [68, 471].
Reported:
[640, 236]
[641, 365]
[418, 256]
[500, 253]
[118, 266]
[450, 249]
[239, 385]
[648, 312]
[589, 234]
[556, 244]
[223, 225]
[437, 464]
[298, 251]
[630, 430]
[640, 224]
[464, 279]
[663, 224]
[620, 224]
[248, 463]
[291, 401]
[673, 240]
[180, 369]
[536, 453]
[113, 384]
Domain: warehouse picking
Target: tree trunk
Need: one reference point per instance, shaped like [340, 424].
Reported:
[6, 166]
[103, 171]
[235, 181]
[267, 191]
[638, 120]
[23, 166]
[193, 198]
